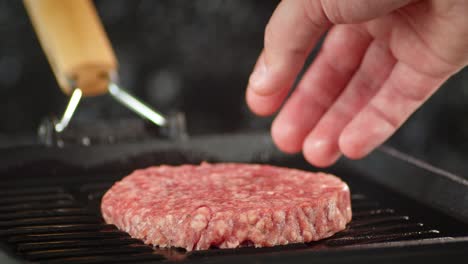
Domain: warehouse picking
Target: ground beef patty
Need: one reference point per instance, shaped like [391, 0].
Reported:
[226, 205]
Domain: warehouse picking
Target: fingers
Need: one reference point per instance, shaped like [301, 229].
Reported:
[404, 91]
[293, 30]
[339, 58]
[321, 145]
[311, 118]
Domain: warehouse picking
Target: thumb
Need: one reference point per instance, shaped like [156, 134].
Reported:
[355, 11]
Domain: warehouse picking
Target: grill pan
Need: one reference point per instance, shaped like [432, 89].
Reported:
[49, 206]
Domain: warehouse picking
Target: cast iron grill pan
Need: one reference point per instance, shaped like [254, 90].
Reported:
[56, 219]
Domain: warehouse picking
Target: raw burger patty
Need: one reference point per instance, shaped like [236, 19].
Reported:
[226, 205]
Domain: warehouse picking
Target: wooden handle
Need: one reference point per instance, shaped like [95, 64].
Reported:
[75, 44]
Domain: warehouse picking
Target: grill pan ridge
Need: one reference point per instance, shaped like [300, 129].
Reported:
[54, 218]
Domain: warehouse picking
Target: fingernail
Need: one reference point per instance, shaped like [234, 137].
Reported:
[258, 78]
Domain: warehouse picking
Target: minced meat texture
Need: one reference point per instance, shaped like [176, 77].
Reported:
[227, 204]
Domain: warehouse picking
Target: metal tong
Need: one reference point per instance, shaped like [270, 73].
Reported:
[81, 56]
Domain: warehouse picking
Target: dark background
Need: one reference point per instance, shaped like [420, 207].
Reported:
[193, 56]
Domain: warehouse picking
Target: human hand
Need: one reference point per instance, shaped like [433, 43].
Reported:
[379, 62]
